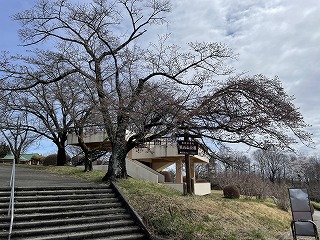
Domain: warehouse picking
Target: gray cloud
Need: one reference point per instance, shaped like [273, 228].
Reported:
[276, 38]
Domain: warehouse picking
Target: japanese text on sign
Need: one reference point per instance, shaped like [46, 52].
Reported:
[187, 147]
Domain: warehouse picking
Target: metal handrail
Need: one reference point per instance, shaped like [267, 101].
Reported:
[11, 204]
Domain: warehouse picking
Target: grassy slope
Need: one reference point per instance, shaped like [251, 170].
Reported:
[169, 214]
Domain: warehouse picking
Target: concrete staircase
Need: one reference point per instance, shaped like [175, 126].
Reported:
[58, 213]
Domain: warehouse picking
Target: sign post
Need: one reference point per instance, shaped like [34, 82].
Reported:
[188, 147]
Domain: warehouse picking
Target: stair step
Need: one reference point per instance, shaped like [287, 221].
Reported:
[51, 209]
[5, 189]
[46, 216]
[62, 197]
[65, 221]
[4, 194]
[60, 188]
[58, 203]
[61, 192]
[58, 213]
[78, 228]
[132, 236]
[4, 200]
[102, 234]
[39, 203]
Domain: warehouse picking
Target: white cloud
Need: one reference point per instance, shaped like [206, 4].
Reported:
[276, 37]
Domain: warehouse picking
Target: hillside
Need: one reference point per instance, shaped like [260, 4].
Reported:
[171, 215]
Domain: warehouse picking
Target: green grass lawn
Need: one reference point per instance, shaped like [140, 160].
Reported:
[169, 214]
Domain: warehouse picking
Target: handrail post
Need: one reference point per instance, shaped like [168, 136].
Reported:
[11, 203]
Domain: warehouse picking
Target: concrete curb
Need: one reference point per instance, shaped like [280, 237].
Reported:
[130, 208]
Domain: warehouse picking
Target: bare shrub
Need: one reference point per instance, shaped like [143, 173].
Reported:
[281, 196]
[231, 191]
[37, 159]
[250, 184]
[167, 176]
[50, 160]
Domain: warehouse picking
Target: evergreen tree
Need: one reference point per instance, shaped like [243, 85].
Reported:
[4, 149]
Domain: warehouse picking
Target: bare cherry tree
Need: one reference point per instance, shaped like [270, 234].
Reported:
[90, 119]
[272, 163]
[53, 110]
[18, 137]
[148, 89]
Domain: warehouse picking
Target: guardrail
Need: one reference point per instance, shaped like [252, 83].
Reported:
[11, 204]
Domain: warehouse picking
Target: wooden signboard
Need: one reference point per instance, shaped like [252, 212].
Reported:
[187, 147]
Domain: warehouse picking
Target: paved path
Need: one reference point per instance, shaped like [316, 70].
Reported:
[316, 219]
[26, 177]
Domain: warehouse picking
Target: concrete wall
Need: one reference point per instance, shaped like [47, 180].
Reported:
[90, 137]
[153, 151]
[202, 188]
[142, 172]
[160, 176]
[199, 188]
[137, 170]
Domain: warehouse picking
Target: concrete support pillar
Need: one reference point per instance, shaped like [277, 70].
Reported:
[179, 178]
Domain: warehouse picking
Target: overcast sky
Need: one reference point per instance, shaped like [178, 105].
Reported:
[274, 37]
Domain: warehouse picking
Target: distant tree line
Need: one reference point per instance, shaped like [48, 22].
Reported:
[264, 173]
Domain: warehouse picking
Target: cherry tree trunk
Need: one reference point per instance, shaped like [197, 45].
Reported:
[61, 156]
[88, 161]
[117, 162]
